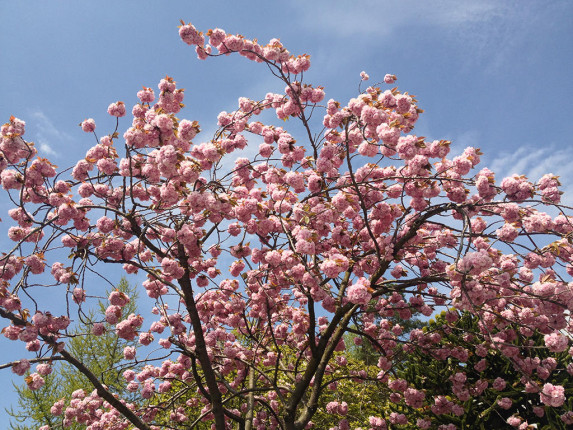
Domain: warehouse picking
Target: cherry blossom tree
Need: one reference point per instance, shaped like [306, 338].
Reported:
[268, 242]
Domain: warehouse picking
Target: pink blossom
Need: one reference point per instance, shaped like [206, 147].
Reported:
[98, 329]
[116, 109]
[21, 367]
[507, 233]
[517, 188]
[499, 384]
[145, 338]
[552, 395]
[567, 417]
[112, 314]
[118, 298]
[36, 263]
[44, 369]
[377, 423]
[504, 403]
[539, 411]
[187, 130]
[358, 293]
[148, 390]
[414, 398]
[79, 295]
[88, 125]
[129, 353]
[389, 79]
[57, 408]
[332, 407]
[398, 419]
[146, 95]
[237, 267]
[35, 381]
[11, 179]
[556, 342]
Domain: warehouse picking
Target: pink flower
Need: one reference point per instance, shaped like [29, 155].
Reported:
[216, 37]
[332, 407]
[145, 338]
[98, 329]
[390, 79]
[44, 369]
[567, 417]
[414, 398]
[11, 179]
[364, 76]
[79, 295]
[556, 342]
[335, 265]
[396, 418]
[377, 423]
[129, 353]
[552, 395]
[112, 314]
[504, 403]
[35, 381]
[499, 384]
[539, 411]
[107, 166]
[358, 293]
[146, 95]
[187, 130]
[88, 125]
[237, 267]
[116, 109]
[57, 408]
[36, 263]
[507, 233]
[517, 188]
[21, 367]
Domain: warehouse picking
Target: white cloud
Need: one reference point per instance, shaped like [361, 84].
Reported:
[47, 135]
[45, 148]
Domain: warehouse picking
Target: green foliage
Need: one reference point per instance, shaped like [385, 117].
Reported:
[365, 351]
[33, 408]
[101, 354]
[364, 397]
[425, 372]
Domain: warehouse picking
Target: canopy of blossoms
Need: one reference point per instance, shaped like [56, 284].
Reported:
[347, 223]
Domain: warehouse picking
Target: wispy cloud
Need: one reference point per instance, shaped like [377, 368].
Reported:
[47, 135]
[536, 162]
[45, 148]
[484, 31]
[374, 17]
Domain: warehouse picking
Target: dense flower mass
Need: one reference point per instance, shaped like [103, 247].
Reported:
[261, 266]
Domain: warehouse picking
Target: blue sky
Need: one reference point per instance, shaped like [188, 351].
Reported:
[491, 74]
